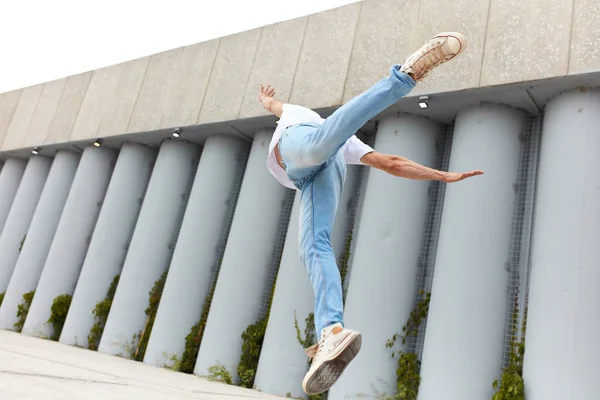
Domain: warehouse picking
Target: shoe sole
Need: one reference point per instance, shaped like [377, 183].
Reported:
[330, 371]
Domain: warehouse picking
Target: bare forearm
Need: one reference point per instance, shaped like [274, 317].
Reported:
[273, 106]
[405, 168]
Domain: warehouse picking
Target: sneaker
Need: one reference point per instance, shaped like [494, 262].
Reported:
[330, 357]
[439, 49]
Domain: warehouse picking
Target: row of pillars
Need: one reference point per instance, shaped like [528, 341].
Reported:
[71, 223]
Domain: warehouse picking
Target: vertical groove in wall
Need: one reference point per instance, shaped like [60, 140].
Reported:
[429, 243]
[341, 101]
[485, 33]
[353, 211]
[184, 203]
[138, 211]
[299, 57]
[273, 268]
[519, 262]
[242, 160]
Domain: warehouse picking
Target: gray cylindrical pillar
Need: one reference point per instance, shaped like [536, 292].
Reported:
[384, 267]
[283, 362]
[39, 236]
[562, 351]
[111, 237]
[469, 294]
[243, 276]
[195, 256]
[21, 213]
[72, 237]
[10, 177]
[150, 249]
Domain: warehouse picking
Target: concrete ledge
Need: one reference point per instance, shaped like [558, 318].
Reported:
[40, 369]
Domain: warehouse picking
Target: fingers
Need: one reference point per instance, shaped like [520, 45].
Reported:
[267, 90]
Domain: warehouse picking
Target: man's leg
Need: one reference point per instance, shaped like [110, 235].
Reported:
[321, 192]
[350, 117]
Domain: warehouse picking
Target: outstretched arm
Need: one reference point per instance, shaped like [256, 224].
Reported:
[405, 168]
[266, 97]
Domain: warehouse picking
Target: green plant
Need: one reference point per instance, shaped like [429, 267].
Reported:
[219, 373]
[22, 243]
[408, 376]
[153, 302]
[510, 386]
[175, 362]
[101, 315]
[23, 310]
[417, 315]
[252, 340]
[344, 262]
[310, 334]
[58, 314]
[194, 338]
[310, 338]
[2, 297]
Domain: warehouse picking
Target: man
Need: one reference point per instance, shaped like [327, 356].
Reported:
[310, 154]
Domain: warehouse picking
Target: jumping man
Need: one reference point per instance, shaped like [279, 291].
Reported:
[309, 153]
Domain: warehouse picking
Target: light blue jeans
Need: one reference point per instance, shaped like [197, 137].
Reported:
[317, 168]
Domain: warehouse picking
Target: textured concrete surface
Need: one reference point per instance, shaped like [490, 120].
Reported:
[68, 108]
[585, 54]
[44, 112]
[467, 17]
[275, 64]
[37, 369]
[326, 51]
[229, 77]
[187, 85]
[116, 114]
[379, 45]
[22, 117]
[100, 92]
[526, 40]
[319, 61]
[151, 99]
[8, 105]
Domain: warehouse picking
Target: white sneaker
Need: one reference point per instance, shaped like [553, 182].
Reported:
[331, 356]
[439, 49]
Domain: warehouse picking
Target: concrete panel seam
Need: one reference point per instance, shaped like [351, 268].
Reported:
[299, 55]
[260, 37]
[212, 68]
[62, 92]
[87, 87]
[487, 24]
[414, 38]
[570, 37]
[32, 114]
[351, 53]
[137, 96]
[11, 118]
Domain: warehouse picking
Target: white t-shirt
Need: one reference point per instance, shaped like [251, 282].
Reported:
[292, 114]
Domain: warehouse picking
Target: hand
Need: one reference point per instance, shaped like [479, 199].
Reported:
[265, 92]
[450, 177]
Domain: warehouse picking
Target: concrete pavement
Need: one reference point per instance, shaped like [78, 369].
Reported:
[37, 369]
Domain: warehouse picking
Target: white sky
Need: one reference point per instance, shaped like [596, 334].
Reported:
[42, 40]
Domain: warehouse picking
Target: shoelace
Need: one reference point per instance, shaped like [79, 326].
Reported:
[434, 54]
[315, 349]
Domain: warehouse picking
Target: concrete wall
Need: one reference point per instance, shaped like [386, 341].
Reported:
[319, 61]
